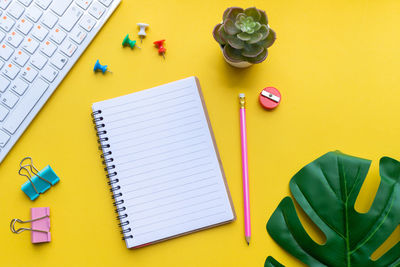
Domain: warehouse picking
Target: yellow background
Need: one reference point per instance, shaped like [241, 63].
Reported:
[336, 64]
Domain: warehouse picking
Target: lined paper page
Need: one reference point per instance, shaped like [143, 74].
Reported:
[167, 165]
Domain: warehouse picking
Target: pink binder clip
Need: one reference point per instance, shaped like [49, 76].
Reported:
[40, 225]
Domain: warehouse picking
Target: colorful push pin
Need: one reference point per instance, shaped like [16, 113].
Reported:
[129, 42]
[270, 98]
[142, 30]
[99, 67]
[160, 45]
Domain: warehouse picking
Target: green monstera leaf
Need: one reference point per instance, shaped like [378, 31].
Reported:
[326, 189]
[271, 262]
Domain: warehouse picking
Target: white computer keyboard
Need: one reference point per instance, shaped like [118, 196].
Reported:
[40, 40]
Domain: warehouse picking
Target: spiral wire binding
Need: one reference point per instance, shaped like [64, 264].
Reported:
[113, 182]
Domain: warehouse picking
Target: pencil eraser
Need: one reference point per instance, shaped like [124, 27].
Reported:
[270, 98]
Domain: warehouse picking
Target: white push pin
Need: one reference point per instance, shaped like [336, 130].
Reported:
[142, 30]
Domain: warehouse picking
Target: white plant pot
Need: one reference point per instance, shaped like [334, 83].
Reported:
[239, 64]
[236, 64]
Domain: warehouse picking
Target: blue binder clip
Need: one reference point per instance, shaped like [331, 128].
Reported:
[39, 181]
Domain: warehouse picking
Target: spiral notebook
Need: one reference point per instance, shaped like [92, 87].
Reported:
[162, 162]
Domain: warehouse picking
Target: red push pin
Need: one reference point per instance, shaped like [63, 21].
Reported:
[160, 45]
[270, 98]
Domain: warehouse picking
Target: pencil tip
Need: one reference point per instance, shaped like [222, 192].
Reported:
[248, 240]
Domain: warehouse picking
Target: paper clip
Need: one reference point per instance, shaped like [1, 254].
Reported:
[40, 225]
[39, 181]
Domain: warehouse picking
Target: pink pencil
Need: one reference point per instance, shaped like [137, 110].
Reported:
[247, 226]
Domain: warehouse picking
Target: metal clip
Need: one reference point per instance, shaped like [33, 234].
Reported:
[33, 171]
[20, 230]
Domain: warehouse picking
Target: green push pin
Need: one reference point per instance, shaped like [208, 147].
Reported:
[127, 41]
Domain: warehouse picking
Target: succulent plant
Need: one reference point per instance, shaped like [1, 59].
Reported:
[244, 34]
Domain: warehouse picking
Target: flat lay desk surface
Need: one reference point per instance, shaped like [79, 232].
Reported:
[336, 64]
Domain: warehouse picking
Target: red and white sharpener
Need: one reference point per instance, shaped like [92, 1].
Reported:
[270, 98]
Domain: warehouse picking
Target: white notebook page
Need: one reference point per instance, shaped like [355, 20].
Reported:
[166, 163]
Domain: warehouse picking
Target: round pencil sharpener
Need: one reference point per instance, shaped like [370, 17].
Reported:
[270, 98]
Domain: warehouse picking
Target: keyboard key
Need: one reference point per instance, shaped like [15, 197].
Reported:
[48, 48]
[16, 10]
[38, 61]
[9, 99]
[6, 22]
[2, 35]
[59, 61]
[43, 3]
[29, 74]
[40, 32]
[84, 3]
[19, 86]
[59, 6]
[24, 26]
[57, 35]
[68, 48]
[27, 103]
[71, 16]
[14, 39]
[1, 64]
[78, 35]
[25, 2]
[34, 13]
[87, 23]
[4, 83]
[4, 3]
[3, 113]
[49, 19]
[49, 73]
[3, 138]
[30, 45]
[6, 51]
[20, 58]
[106, 2]
[10, 70]
[96, 10]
